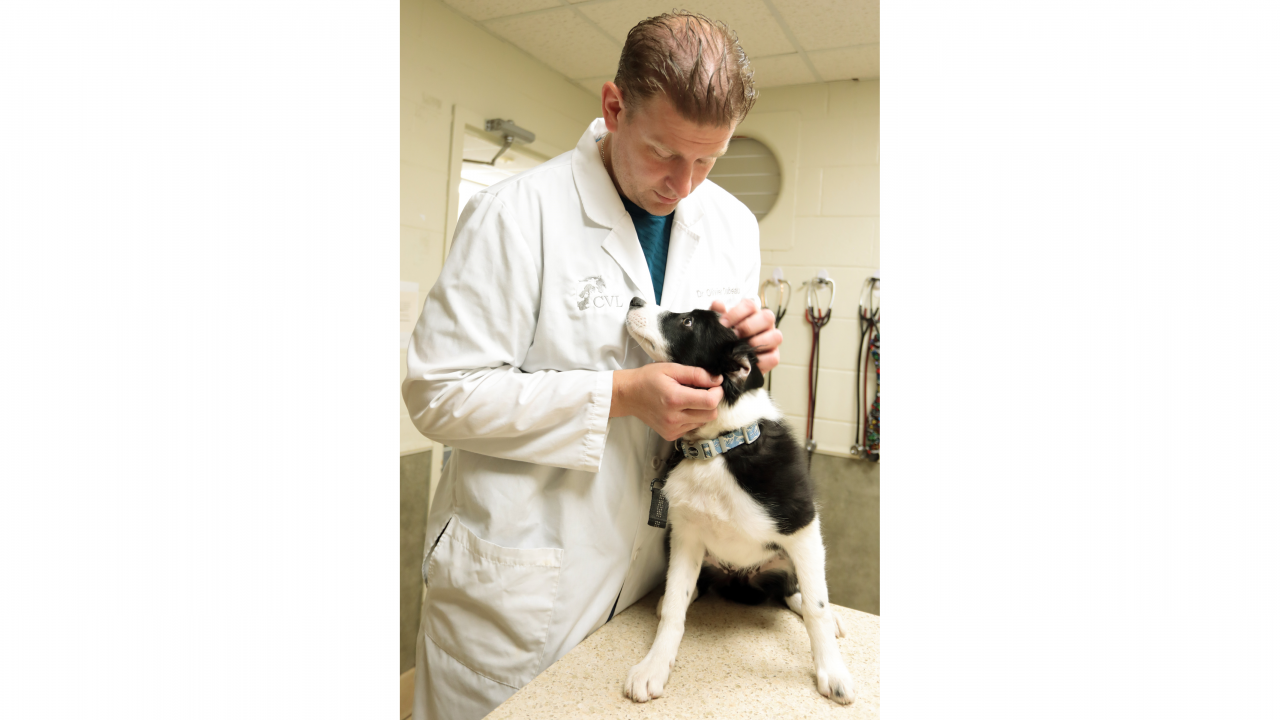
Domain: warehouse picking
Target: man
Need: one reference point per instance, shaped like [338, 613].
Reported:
[520, 361]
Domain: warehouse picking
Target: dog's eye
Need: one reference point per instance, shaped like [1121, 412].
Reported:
[687, 322]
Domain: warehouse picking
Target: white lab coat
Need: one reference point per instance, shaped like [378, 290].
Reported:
[540, 520]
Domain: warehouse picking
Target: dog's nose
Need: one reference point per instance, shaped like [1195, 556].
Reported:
[637, 302]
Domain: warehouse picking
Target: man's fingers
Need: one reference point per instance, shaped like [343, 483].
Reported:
[711, 398]
[678, 431]
[769, 360]
[745, 318]
[730, 318]
[766, 341]
[690, 375]
[734, 317]
[698, 418]
[755, 324]
[693, 399]
[681, 428]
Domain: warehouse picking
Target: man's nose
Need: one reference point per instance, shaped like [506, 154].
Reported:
[682, 180]
[637, 302]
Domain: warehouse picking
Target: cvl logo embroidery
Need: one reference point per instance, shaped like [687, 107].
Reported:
[595, 283]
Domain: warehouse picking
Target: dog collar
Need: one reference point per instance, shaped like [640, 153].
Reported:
[707, 449]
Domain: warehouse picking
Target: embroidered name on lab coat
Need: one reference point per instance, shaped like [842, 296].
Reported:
[709, 292]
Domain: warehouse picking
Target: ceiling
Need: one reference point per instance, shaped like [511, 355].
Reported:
[790, 42]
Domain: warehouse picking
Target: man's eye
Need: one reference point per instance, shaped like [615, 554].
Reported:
[687, 322]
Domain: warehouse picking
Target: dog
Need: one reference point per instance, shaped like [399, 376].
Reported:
[741, 511]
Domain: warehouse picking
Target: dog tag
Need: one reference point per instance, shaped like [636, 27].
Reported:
[658, 508]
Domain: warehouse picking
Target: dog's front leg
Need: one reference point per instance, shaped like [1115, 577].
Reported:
[809, 558]
[657, 610]
[646, 679]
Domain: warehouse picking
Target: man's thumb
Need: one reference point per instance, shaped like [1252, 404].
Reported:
[695, 376]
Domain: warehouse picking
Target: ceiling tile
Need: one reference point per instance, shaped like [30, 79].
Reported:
[757, 30]
[486, 9]
[617, 17]
[822, 24]
[563, 40]
[862, 62]
[781, 70]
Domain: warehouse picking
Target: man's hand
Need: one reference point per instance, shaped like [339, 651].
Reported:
[657, 394]
[758, 327]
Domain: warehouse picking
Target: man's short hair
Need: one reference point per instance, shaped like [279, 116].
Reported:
[696, 62]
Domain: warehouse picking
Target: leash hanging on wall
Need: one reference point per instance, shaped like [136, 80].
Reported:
[779, 308]
[817, 318]
[866, 436]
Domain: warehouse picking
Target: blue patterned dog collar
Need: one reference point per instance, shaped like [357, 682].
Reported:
[707, 449]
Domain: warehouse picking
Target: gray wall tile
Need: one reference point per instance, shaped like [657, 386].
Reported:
[849, 500]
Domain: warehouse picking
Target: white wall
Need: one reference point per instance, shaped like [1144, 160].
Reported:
[451, 73]
[827, 136]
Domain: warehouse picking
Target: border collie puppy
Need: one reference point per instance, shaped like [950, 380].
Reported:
[741, 508]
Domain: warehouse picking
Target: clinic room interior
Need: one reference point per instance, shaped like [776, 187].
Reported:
[805, 161]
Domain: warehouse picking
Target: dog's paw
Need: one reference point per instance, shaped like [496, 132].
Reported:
[837, 685]
[646, 679]
[793, 602]
[839, 628]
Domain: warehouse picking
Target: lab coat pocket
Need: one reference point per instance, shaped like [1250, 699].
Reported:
[489, 607]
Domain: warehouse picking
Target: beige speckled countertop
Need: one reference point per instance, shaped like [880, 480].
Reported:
[735, 661]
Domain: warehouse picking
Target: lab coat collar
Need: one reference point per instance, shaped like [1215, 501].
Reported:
[599, 198]
[602, 205]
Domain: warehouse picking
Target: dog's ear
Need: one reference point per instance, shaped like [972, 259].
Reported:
[741, 373]
[756, 378]
[746, 357]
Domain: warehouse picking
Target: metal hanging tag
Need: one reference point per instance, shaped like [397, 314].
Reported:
[658, 507]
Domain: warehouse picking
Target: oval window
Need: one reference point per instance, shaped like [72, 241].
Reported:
[751, 173]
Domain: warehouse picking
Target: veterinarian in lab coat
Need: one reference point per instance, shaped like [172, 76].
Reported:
[520, 361]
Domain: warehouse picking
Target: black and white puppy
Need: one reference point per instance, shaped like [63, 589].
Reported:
[743, 521]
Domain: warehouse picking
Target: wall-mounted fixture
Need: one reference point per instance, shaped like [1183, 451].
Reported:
[510, 131]
[750, 172]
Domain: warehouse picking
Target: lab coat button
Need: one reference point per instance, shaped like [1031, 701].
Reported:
[656, 463]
